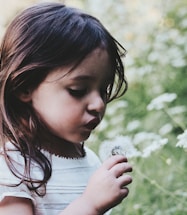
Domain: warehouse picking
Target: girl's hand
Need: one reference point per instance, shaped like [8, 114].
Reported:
[107, 186]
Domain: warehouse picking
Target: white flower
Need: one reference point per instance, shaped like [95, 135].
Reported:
[119, 145]
[177, 110]
[148, 142]
[182, 140]
[144, 138]
[165, 129]
[133, 125]
[158, 103]
[155, 145]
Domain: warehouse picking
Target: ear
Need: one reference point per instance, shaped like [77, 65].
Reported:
[25, 96]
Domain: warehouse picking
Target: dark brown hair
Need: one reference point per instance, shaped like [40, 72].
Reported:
[40, 39]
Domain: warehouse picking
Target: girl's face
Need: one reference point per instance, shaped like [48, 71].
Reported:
[72, 104]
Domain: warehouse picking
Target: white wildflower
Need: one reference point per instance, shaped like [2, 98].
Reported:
[178, 62]
[144, 137]
[165, 129]
[158, 103]
[115, 121]
[155, 145]
[133, 125]
[182, 140]
[169, 161]
[137, 206]
[177, 110]
[148, 142]
[112, 109]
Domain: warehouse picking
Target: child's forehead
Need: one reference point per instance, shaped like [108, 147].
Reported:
[94, 66]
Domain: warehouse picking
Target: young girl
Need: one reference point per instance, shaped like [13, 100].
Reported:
[59, 69]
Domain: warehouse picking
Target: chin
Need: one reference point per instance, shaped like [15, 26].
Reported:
[82, 138]
[78, 138]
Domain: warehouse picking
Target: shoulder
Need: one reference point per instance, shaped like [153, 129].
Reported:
[5, 174]
[11, 150]
[10, 185]
[12, 171]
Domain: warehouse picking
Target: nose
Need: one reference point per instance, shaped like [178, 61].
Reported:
[96, 103]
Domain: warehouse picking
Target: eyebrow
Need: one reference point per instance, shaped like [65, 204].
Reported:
[83, 77]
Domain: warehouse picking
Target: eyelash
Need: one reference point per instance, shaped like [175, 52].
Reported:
[78, 93]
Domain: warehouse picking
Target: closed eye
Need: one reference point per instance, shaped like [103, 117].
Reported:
[78, 93]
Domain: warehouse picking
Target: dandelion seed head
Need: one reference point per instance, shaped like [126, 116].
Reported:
[117, 150]
[119, 145]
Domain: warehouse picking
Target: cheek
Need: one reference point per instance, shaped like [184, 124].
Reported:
[57, 109]
[72, 112]
[63, 113]
[48, 110]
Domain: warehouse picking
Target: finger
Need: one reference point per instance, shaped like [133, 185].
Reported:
[112, 161]
[121, 168]
[124, 192]
[124, 180]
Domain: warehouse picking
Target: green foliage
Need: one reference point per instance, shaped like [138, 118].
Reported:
[159, 66]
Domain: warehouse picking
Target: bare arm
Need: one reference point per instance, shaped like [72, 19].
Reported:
[15, 205]
[106, 189]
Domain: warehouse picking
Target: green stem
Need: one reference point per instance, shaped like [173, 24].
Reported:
[162, 189]
[176, 122]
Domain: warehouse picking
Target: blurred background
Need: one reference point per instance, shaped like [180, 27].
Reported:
[150, 121]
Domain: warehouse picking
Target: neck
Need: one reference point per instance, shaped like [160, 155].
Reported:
[65, 149]
[60, 147]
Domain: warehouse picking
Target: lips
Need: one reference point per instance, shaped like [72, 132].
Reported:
[92, 123]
